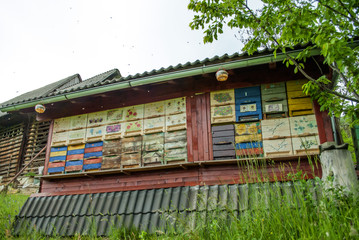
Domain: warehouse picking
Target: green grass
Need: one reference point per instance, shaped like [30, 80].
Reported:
[10, 205]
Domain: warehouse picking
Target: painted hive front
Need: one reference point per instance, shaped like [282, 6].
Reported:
[223, 142]
[298, 103]
[223, 106]
[274, 100]
[248, 104]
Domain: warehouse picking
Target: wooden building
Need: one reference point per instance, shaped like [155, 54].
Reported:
[177, 127]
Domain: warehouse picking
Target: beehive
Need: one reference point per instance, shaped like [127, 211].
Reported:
[153, 149]
[175, 146]
[223, 142]
[93, 156]
[223, 106]
[274, 100]
[248, 139]
[248, 104]
[298, 103]
[131, 151]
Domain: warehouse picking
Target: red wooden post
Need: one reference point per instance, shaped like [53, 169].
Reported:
[324, 125]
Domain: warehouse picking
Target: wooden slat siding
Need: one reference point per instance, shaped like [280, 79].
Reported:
[10, 146]
[189, 129]
[199, 135]
[208, 175]
[209, 128]
[199, 114]
[324, 125]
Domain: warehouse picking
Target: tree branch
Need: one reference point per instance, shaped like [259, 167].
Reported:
[348, 11]
[321, 86]
[346, 81]
[340, 13]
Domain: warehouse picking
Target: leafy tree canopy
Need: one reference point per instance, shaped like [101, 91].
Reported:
[328, 25]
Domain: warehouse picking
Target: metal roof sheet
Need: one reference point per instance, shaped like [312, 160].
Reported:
[148, 210]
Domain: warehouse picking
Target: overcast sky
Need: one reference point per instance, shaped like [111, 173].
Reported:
[43, 41]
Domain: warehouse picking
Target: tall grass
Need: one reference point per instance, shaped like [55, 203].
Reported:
[10, 205]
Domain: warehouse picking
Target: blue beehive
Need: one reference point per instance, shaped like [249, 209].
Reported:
[248, 104]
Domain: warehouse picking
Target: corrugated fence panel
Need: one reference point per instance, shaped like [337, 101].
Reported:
[151, 209]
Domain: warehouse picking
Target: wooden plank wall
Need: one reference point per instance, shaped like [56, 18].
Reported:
[36, 140]
[204, 175]
[199, 136]
[10, 144]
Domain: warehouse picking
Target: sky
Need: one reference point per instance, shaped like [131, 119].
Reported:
[43, 41]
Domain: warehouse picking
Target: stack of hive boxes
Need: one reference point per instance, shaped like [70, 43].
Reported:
[111, 154]
[249, 112]
[277, 139]
[274, 100]
[223, 142]
[74, 158]
[298, 103]
[57, 160]
[175, 137]
[131, 151]
[154, 128]
[93, 156]
[223, 112]
[305, 136]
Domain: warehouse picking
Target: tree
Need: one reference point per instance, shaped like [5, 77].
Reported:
[332, 26]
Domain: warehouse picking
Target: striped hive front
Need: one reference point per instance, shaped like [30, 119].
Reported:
[298, 102]
[248, 139]
[93, 156]
[57, 160]
[74, 158]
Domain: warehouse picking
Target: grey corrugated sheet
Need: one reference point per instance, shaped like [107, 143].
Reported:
[113, 76]
[148, 210]
[44, 91]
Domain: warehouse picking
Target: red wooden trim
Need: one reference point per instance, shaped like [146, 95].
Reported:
[324, 124]
[194, 129]
[209, 127]
[199, 127]
[189, 129]
[208, 175]
[205, 128]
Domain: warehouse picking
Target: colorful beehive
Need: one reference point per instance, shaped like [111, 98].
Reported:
[114, 131]
[78, 122]
[133, 128]
[223, 142]
[111, 154]
[115, 116]
[133, 113]
[274, 100]
[175, 146]
[276, 137]
[154, 125]
[304, 131]
[248, 104]
[95, 134]
[131, 151]
[57, 160]
[74, 158]
[248, 138]
[93, 156]
[96, 119]
[223, 106]
[153, 148]
[175, 114]
[298, 102]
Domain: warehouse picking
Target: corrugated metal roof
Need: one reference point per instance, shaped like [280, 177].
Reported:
[148, 210]
[44, 91]
[113, 76]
